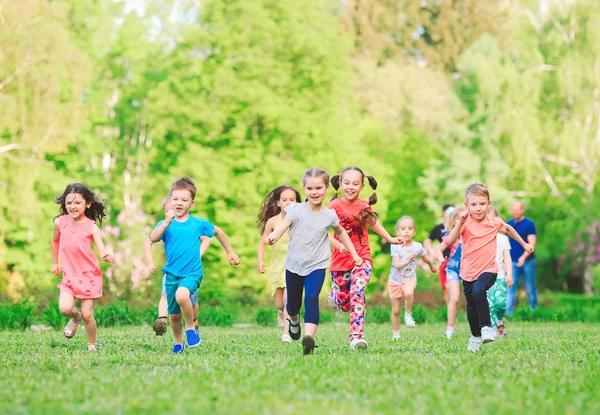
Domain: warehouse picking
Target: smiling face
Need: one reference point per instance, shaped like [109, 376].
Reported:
[286, 198]
[76, 205]
[351, 184]
[478, 206]
[315, 189]
[406, 229]
[181, 202]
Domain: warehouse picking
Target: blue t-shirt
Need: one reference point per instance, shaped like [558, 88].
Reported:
[524, 228]
[182, 246]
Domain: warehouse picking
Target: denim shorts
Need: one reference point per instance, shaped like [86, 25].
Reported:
[452, 275]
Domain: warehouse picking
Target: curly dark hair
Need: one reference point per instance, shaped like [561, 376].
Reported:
[269, 207]
[97, 209]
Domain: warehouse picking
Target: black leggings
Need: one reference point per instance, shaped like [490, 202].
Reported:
[295, 284]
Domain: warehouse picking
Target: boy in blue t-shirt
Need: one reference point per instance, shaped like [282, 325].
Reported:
[181, 234]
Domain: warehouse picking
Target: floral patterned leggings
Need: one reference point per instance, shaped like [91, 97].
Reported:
[348, 294]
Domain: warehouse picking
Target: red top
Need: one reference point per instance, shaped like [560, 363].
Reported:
[349, 213]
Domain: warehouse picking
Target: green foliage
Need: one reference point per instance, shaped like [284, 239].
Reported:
[380, 315]
[51, 316]
[266, 316]
[214, 316]
[420, 313]
[15, 316]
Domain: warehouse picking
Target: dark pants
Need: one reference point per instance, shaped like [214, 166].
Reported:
[295, 284]
[478, 309]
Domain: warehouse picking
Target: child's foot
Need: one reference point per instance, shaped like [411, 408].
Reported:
[160, 326]
[286, 338]
[488, 334]
[280, 319]
[395, 336]
[449, 332]
[193, 337]
[474, 344]
[409, 321]
[71, 327]
[294, 329]
[308, 345]
[501, 331]
[358, 343]
[178, 348]
[92, 347]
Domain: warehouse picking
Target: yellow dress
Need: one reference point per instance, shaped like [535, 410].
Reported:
[277, 265]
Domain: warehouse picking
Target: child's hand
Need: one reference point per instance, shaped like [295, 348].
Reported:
[357, 260]
[509, 281]
[261, 267]
[56, 269]
[396, 241]
[108, 256]
[462, 218]
[270, 239]
[412, 256]
[433, 268]
[233, 258]
[151, 268]
[528, 247]
[169, 216]
[341, 247]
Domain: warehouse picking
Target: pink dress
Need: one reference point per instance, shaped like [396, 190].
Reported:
[82, 277]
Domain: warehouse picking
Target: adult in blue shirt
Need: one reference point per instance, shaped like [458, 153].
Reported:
[523, 262]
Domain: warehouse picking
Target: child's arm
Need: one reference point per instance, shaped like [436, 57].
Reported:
[337, 245]
[269, 226]
[56, 268]
[204, 245]
[380, 230]
[231, 256]
[455, 232]
[432, 267]
[510, 231]
[508, 267]
[278, 231]
[105, 254]
[343, 235]
[158, 232]
[148, 252]
[398, 264]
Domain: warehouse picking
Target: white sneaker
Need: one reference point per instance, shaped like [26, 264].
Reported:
[396, 337]
[409, 321]
[449, 333]
[358, 343]
[474, 344]
[286, 338]
[488, 334]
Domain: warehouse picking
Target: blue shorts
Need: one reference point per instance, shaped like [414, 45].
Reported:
[452, 275]
[170, 285]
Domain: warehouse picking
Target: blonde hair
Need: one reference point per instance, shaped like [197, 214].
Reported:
[402, 218]
[477, 189]
[493, 211]
[165, 201]
[452, 218]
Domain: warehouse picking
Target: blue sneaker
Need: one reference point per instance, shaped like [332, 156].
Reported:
[193, 337]
[178, 348]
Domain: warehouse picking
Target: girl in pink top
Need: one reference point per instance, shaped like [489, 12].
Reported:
[74, 231]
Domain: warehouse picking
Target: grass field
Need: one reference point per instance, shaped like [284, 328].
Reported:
[539, 369]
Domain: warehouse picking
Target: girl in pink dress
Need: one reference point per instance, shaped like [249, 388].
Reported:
[74, 231]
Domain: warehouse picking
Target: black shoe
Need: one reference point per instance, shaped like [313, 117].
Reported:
[294, 336]
[308, 345]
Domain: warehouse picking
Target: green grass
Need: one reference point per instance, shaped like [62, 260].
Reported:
[548, 368]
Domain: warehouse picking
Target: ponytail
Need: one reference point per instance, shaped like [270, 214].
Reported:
[335, 183]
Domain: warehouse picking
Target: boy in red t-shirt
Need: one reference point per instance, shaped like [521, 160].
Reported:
[479, 268]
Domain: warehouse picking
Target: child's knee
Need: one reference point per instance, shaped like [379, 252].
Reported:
[182, 295]
[175, 317]
[312, 299]
[87, 315]
[65, 309]
[479, 292]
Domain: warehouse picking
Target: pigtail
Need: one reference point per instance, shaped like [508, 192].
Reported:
[335, 183]
[373, 184]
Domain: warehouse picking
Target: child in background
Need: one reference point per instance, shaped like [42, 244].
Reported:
[403, 275]
[479, 268]
[271, 214]
[160, 324]
[497, 294]
[75, 229]
[452, 271]
[181, 234]
[308, 253]
[349, 282]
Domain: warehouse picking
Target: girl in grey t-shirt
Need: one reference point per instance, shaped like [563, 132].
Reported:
[308, 253]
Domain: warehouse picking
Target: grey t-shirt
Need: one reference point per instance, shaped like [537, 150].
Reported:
[309, 248]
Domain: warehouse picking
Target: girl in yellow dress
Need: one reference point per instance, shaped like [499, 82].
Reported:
[270, 215]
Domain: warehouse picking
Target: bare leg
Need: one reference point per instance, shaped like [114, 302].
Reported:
[286, 323]
[311, 329]
[454, 297]
[279, 302]
[195, 311]
[409, 300]
[162, 306]
[176, 327]
[66, 306]
[396, 307]
[182, 296]
[87, 312]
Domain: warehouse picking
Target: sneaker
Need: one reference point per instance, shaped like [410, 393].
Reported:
[308, 345]
[409, 321]
[501, 331]
[286, 338]
[449, 333]
[474, 344]
[160, 326]
[358, 343]
[178, 348]
[395, 337]
[488, 334]
[295, 335]
[193, 337]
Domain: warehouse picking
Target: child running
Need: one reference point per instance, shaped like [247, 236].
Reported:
[308, 253]
[497, 294]
[75, 228]
[452, 271]
[349, 282]
[403, 275]
[479, 268]
[160, 324]
[271, 214]
[181, 234]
